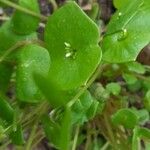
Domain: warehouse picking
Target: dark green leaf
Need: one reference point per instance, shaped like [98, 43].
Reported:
[6, 111]
[6, 70]
[17, 136]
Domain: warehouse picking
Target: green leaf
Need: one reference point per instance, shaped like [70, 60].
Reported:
[17, 136]
[139, 133]
[126, 34]
[6, 70]
[52, 92]
[9, 38]
[143, 116]
[81, 108]
[126, 117]
[120, 3]
[59, 133]
[92, 111]
[65, 133]
[113, 88]
[23, 23]
[147, 100]
[6, 111]
[135, 67]
[129, 78]
[51, 129]
[72, 40]
[31, 59]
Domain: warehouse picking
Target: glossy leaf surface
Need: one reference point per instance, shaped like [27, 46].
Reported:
[72, 40]
[31, 59]
[126, 34]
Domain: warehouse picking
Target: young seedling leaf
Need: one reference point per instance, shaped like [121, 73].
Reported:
[129, 78]
[72, 40]
[113, 88]
[125, 117]
[31, 59]
[126, 34]
[135, 67]
[81, 108]
[23, 23]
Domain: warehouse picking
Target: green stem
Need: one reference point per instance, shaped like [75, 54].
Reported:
[30, 140]
[110, 132]
[27, 11]
[16, 46]
[76, 137]
[54, 4]
[105, 146]
[91, 80]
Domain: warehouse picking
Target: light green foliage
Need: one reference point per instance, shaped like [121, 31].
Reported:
[129, 78]
[126, 117]
[121, 3]
[72, 40]
[9, 38]
[126, 33]
[113, 88]
[84, 109]
[31, 59]
[23, 23]
[135, 67]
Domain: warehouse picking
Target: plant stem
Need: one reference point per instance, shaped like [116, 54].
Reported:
[53, 2]
[105, 146]
[14, 47]
[22, 9]
[91, 80]
[30, 140]
[109, 129]
[76, 137]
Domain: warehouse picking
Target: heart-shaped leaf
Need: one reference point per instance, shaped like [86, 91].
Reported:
[31, 59]
[125, 117]
[72, 40]
[126, 34]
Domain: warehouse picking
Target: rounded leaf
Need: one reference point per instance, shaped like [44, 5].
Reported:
[72, 40]
[126, 34]
[125, 117]
[31, 59]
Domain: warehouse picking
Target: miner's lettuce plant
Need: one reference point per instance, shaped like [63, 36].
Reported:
[53, 79]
